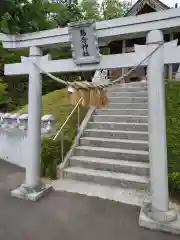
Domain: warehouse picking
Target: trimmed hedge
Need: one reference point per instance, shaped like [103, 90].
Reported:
[51, 156]
[173, 134]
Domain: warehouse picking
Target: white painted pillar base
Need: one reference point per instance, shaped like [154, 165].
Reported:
[33, 189]
[156, 214]
[170, 68]
[27, 192]
[162, 221]
[177, 76]
[170, 72]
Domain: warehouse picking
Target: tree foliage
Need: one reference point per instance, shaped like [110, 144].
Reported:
[114, 8]
[24, 16]
[62, 12]
[90, 9]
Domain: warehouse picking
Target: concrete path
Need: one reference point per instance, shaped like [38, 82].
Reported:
[66, 216]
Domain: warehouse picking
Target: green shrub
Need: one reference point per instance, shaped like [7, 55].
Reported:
[51, 156]
[174, 182]
[173, 125]
[4, 100]
[173, 135]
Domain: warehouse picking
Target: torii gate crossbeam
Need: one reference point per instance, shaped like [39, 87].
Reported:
[171, 55]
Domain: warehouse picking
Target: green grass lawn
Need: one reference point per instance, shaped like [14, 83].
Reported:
[57, 104]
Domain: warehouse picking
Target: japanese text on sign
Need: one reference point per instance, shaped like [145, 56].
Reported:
[84, 42]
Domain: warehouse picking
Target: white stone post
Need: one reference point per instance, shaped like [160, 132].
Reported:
[34, 119]
[33, 189]
[157, 125]
[156, 214]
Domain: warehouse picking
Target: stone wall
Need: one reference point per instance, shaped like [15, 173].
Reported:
[14, 137]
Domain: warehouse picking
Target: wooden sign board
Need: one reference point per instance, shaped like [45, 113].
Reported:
[84, 42]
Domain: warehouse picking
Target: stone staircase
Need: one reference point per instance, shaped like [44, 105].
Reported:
[113, 151]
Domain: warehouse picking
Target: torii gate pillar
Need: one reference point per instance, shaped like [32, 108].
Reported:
[33, 189]
[156, 213]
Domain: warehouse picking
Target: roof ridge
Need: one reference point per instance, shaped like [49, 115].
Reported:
[156, 2]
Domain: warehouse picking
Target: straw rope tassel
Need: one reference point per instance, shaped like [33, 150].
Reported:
[91, 95]
[85, 95]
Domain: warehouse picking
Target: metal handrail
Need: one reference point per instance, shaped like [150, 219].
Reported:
[74, 109]
[61, 128]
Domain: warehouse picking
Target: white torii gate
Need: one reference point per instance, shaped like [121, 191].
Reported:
[156, 214]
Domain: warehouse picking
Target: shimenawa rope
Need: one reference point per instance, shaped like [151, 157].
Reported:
[85, 85]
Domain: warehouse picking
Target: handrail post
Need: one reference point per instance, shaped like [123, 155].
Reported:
[62, 146]
[78, 119]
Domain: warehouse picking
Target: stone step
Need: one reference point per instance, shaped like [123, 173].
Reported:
[113, 193]
[116, 134]
[130, 84]
[118, 126]
[107, 178]
[114, 143]
[136, 84]
[128, 89]
[137, 168]
[112, 153]
[112, 111]
[119, 99]
[127, 94]
[128, 105]
[119, 118]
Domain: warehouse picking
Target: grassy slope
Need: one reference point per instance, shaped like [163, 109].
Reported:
[173, 125]
[57, 104]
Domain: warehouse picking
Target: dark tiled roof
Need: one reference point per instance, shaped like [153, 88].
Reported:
[151, 3]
